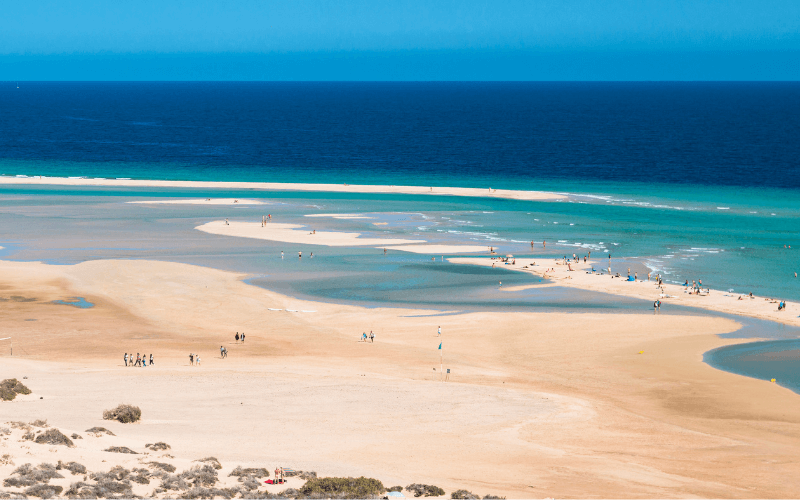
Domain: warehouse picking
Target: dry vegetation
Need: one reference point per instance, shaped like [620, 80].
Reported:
[123, 413]
[10, 387]
[53, 436]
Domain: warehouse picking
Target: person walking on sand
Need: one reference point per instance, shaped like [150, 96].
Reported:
[655, 306]
[144, 360]
[197, 360]
[659, 305]
[151, 360]
[363, 336]
[126, 359]
[371, 336]
[242, 337]
[138, 360]
[191, 359]
[237, 337]
[221, 352]
[440, 332]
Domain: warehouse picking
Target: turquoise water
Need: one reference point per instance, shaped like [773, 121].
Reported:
[78, 302]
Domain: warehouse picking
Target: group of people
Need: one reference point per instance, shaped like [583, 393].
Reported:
[371, 336]
[194, 359]
[141, 360]
[265, 219]
[239, 337]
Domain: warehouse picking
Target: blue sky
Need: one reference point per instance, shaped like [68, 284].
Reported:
[400, 40]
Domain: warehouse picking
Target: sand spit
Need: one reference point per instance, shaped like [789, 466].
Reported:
[582, 277]
[550, 404]
[295, 233]
[204, 201]
[278, 186]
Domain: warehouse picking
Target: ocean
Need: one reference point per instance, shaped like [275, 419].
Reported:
[690, 180]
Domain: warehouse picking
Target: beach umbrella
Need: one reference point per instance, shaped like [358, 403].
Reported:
[509, 256]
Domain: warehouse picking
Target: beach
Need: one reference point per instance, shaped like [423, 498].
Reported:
[611, 405]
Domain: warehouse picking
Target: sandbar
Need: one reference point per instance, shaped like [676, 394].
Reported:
[204, 201]
[536, 405]
[582, 277]
[295, 233]
[279, 186]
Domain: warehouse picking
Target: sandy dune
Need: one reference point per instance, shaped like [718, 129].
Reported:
[537, 405]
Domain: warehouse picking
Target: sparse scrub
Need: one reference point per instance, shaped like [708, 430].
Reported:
[40, 423]
[54, 436]
[97, 431]
[158, 446]
[19, 425]
[123, 413]
[304, 475]
[120, 449]
[27, 475]
[395, 488]
[10, 387]
[249, 471]
[212, 461]
[174, 482]
[209, 493]
[493, 497]
[75, 435]
[162, 466]
[427, 490]
[464, 495]
[74, 467]
[342, 487]
[198, 475]
[5, 431]
[44, 490]
[6, 460]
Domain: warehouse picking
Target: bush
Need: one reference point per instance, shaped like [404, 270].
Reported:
[162, 466]
[207, 493]
[212, 461]
[395, 488]
[44, 490]
[204, 475]
[121, 449]
[250, 471]
[427, 490]
[39, 423]
[10, 387]
[75, 435]
[27, 475]
[99, 430]
[53, 436]
[464, 494]
[126, 414]
[342, 487]
[493, 497]
[73, 467]
[158, 446]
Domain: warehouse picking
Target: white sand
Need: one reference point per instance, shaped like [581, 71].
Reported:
[212, 201]
[295, 233]
[277, 186]
[434, 249]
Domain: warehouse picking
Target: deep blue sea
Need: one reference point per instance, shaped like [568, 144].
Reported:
[693, 180]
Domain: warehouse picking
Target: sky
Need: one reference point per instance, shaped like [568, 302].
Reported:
[400, 40]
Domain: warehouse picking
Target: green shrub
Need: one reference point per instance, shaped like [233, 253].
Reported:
[162, 466]
[464, 495]
[123, 413]
[44, 490]
[342, 487]
[99, 430]
[395, 488]
[73, 467]
[212, 461]
[427, 490]
[249, 471]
